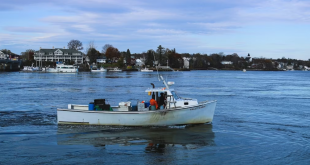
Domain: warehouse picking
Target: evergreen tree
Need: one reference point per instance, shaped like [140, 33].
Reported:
[128, 57]
[160, 52]
[149, 57]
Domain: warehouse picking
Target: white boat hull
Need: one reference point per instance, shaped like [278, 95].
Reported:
[146, 70]
[201, 113]
[104, 70]
[53, 70]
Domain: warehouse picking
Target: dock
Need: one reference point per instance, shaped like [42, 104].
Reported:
[7, 65]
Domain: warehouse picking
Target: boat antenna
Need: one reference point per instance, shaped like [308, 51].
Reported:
[156, 65]
[160, 77]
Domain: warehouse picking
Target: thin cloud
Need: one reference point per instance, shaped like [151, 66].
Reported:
[160, 31]
[187, 24]
[30, 29]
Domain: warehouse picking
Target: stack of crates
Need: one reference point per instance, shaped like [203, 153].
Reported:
[141, 107]
[101, 106]
[124, 106]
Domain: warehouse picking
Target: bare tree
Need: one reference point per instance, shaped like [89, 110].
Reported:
[91, 45]
[75, 44]
[105, 47]
[28, 55]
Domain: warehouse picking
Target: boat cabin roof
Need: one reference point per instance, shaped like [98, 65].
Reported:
[163, 89]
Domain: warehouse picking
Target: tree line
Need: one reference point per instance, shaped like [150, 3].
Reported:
[165, 56]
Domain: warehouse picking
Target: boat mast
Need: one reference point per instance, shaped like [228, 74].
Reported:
[156, 65]
[40, 63]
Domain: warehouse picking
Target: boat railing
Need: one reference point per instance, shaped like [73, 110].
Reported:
[75, 106]
[184, 98]
[171, 100]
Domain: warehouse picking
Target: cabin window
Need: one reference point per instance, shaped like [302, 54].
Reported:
[175, 96]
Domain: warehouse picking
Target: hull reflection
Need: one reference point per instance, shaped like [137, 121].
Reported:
[154, 138]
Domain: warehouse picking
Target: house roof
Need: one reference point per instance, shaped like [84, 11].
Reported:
[69, 51]
[103, 57]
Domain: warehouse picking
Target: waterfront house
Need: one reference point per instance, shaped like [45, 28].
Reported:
[248, 58]
[186, 62]
[139, 62]
[101, 60]
[227, 63]
[58, 54]
[281, 65]
[290, 67]
[3, 56]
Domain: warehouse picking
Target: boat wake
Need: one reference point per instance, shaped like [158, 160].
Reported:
[15, 118]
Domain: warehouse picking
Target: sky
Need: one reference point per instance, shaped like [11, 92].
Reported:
[263, 28]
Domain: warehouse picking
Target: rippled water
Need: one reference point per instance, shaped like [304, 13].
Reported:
[260, 118]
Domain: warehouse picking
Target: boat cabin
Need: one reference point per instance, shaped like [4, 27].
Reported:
[172, 100]
[62, 66]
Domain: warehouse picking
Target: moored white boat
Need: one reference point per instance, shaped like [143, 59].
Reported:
[178, 111]
[146, 70]
[115, 70]
[36, 69]
[306, 68]
[62, 68]
[94, 69]
[27, 69]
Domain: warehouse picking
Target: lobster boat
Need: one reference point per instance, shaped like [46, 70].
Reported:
[176, 110]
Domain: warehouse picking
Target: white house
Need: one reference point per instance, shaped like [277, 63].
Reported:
[101, 60]
[248, 58]
[227, 62]
[186, 62]
[139, 62]
[58, 54]
[3, 56]
[290, 67]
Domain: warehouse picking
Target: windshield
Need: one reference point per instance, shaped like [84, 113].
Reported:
[175, 96]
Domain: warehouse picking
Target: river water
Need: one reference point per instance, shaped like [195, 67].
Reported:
[260, 118]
